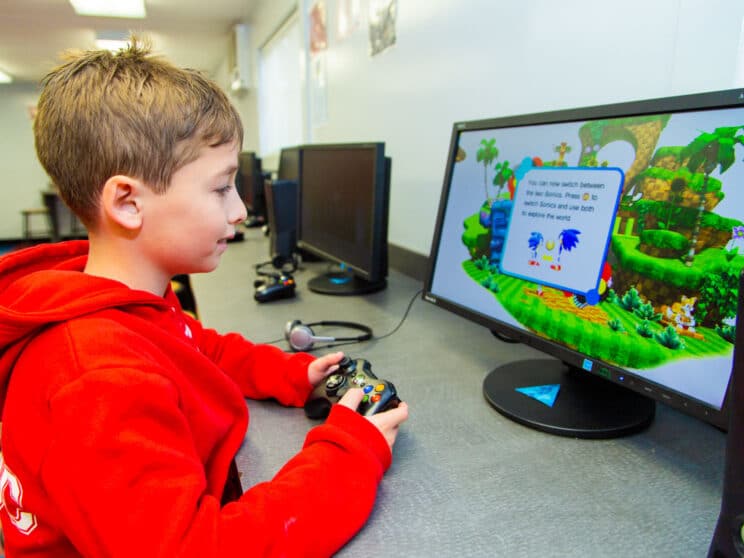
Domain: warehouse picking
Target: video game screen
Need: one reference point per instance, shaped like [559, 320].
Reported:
[621, 239]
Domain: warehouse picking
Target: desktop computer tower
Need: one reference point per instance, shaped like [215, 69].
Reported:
[728, 538]
[281, 209]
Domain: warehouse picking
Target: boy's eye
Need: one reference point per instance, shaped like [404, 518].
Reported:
[224, 190]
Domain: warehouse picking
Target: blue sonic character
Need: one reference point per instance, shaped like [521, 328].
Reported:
[567, 240]
[534, 242]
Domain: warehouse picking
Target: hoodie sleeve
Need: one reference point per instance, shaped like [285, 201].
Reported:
[261, 371]
[127, 479]
[333, 482]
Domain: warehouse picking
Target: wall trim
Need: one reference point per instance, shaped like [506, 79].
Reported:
[408, 262]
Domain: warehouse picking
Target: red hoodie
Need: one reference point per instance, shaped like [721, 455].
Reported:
[121, 416]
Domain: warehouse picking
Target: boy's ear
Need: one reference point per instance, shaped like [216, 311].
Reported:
[121, 201]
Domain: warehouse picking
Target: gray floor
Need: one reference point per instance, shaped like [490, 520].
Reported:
[465, 480]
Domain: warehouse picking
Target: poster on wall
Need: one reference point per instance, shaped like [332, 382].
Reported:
[318, 31]
[382, 16]
[348, 17]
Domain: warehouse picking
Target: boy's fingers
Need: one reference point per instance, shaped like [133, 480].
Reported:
[352, 398]
[331, 369]
[393, 417]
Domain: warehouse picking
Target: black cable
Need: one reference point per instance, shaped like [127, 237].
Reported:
[403, 319]
[279, 268]
[271, 342]
[374, 337]
[503, 337]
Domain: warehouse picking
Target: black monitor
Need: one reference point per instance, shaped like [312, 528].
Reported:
[343, 215]
[289, 163]
[281, 205]
[249, 181]
[290, 160]
[281, 209]
[610, 238]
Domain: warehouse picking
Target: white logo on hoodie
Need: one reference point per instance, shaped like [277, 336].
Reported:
[11, 500]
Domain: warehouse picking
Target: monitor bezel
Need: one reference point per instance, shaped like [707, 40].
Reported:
[677, 104]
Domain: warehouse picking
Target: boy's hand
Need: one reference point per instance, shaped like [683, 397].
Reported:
[386, 422]
[323, 366]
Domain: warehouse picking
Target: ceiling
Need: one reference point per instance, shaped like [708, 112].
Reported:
[193, 33]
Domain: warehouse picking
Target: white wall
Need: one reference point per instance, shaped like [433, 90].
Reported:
[22, 176]
[267, 18]
[458, 60]
[472, 59]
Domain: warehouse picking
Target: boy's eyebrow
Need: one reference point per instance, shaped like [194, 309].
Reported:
[228, 171]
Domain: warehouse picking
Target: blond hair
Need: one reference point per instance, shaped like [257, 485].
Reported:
[132, 113]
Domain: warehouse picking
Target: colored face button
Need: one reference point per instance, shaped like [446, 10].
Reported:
[380, 387]
[367, 388]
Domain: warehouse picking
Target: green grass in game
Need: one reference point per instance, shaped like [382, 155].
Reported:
[604, 332]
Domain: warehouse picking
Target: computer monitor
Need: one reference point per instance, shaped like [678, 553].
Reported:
[250, 185]
[343, 215]
[289, 163]
[610, 238]
[281, 209]
[290, 160]
[281, 206]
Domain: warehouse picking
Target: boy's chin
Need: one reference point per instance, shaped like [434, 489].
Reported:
[202, 267]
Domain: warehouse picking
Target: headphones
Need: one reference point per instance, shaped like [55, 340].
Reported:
[302, 338]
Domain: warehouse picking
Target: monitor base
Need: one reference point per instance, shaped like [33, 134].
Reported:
[586, 406]
[344, 284]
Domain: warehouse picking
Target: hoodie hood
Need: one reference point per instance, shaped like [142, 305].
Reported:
[44, 285]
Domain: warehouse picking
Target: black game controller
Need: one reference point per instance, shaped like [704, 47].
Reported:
[282, 286]
[379, 395]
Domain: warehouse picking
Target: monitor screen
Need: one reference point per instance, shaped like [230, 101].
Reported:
[610, 238]
[250, 184]
[343, 210]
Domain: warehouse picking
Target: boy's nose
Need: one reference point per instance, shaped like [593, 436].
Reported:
[238, 212]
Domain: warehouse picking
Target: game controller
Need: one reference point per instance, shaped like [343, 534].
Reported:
[379, 395]
[282, 286]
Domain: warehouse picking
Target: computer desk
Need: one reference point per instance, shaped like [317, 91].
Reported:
[465, 481]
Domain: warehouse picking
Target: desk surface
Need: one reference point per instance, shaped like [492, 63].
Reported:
[466, 481]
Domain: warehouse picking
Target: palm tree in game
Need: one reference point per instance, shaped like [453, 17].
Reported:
[486, 154]
[706, 152]
[503, 175]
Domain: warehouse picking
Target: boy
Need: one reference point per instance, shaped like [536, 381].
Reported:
[121, 414]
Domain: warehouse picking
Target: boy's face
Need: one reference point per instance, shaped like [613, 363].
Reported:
[187, 227]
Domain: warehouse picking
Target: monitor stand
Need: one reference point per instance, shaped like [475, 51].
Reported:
[342, 283]
[586, 406]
